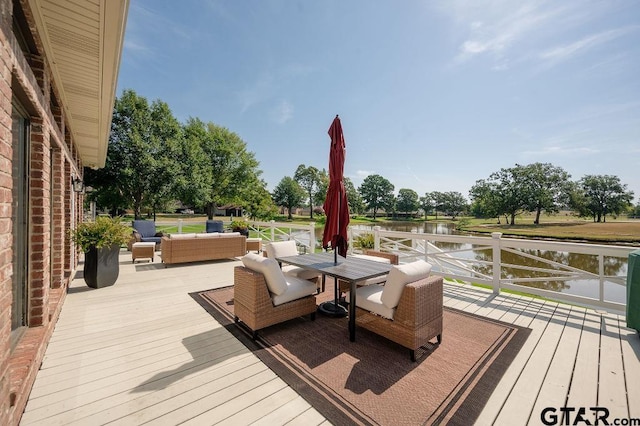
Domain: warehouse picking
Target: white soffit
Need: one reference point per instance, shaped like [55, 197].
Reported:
[83, 42]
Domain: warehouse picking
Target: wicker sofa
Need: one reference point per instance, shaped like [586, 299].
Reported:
[414, 321]
[256, 304]
[182, 248]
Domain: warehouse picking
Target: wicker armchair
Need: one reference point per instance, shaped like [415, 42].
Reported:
[417, 319]
[253, 305]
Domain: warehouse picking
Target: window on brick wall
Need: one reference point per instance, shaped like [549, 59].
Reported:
[20, 219]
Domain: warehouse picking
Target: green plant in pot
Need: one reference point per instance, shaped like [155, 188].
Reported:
[100, 241]
[240, 226]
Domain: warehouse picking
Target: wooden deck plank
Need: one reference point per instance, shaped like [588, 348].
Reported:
[557, 380]
[584, 383]
[219, 406]
[178, 357]
[504, 390]
[131, 401]
[612, 389]
[631, 355]
[258, 409]
[286, 413]
[518, 408]
[95, 371]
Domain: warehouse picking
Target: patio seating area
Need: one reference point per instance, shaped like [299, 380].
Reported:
[144, 351]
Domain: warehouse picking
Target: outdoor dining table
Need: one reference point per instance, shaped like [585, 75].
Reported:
[350, 269]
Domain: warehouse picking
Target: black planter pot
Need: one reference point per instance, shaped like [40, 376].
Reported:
[244, 232]
[101, 266]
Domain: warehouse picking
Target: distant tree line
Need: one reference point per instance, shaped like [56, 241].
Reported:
[153, 161]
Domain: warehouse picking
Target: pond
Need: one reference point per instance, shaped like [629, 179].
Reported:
[614, 266]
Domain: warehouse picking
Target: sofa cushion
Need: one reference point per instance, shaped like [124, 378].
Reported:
[182, 236]
[156, 240]
[229, 234]
[370, 299]
[297, 288]
[269, 268]
[214, 226]
[296, 271]
[401, 275]
[207, 235]
[281, 249]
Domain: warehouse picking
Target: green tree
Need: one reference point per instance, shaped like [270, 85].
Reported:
[288, 193]
[309, 179]
[600, 195]
[377, 193]
[139, 170]
[547, 187]
[426, 204]
[454, 203]
[323, 186]
[233, 168]
[485, 199]
[356, 204]
[407, 200]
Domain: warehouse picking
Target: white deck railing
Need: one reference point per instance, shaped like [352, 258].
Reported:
[533, 262]
[479, 260]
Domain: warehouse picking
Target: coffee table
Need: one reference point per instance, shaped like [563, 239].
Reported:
[349, 269]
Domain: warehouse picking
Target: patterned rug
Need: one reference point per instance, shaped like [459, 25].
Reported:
[372, 380]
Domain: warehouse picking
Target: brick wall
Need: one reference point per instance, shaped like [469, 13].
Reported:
[53, 159]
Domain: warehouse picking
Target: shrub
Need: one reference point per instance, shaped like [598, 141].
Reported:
[104, 232]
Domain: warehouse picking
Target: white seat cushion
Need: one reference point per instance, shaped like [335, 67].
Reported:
[297, 288]
[269, 268]
[369, 298]
[281, 249]
[296, 271]
[401, 275]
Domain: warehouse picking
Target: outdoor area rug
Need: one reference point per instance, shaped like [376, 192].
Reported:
[372, 380]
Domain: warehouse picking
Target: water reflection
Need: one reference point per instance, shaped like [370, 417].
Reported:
[613, 266]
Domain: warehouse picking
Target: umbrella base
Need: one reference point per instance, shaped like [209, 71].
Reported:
[332, 309]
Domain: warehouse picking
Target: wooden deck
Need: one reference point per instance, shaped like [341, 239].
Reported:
[143, 351]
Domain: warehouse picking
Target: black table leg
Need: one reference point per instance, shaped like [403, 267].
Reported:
[352, 312]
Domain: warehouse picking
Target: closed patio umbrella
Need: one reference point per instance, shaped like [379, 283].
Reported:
[336, 209]
[335, 205]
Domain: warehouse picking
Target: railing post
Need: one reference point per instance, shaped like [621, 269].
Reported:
[350, 238]
[273, 230]
[601, 273]
[426, 250]
[497, 261]
[376, 238]
[179, 226]
[312, 237]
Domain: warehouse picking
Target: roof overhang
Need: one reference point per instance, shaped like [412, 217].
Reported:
[83, 44]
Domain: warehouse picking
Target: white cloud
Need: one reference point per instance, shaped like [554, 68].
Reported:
[567, 51]
[283, 112]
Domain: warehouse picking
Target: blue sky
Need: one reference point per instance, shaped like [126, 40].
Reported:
[433, 95]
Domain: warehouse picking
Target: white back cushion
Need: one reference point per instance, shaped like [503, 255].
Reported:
[207, 235]
[401, 275]
[281, 249]
[270, 269]
[182, 236]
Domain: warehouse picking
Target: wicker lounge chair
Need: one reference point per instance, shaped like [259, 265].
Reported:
[414, 321]
[258, 308]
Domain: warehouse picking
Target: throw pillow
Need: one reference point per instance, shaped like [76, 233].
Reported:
[401, 275]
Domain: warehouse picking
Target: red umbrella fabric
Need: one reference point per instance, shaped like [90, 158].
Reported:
[335, 205]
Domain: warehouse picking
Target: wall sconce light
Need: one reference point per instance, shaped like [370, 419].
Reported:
[78, 184]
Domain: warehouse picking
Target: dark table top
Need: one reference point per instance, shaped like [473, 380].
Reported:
[351, 269]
